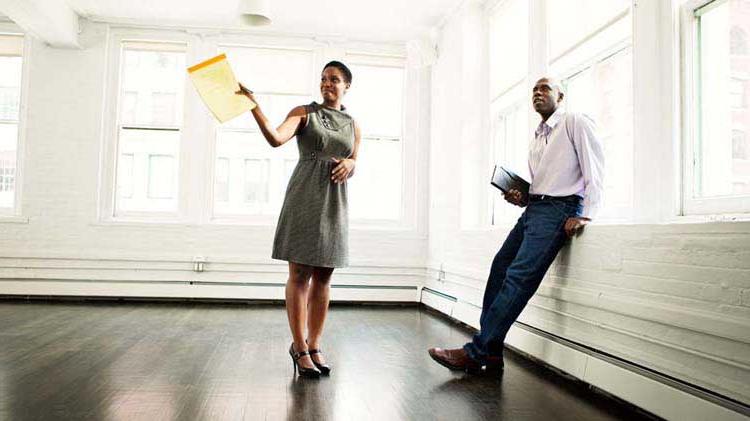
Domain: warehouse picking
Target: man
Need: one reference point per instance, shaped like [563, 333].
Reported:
[566, 163]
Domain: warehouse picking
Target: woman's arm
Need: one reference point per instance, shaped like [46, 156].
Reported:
[280, 135]
[345, 167]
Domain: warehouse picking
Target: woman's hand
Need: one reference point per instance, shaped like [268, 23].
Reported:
[344, 169]
[247, 92]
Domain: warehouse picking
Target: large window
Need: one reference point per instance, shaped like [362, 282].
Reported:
[592, 53]
[151, 100]
[718, 108]
[509, 100]
[11, 62]
[166, 159]
[375, 100]
[250, 177]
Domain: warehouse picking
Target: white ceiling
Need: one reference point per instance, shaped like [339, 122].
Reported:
[368, 20]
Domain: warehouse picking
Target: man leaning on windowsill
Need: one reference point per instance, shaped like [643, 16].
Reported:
[566, 163]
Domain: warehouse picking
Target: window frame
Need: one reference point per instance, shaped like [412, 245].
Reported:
[111, 126]
[15, 213]
[409, 164]
[216, 44]
[690, 205]
[196, 180]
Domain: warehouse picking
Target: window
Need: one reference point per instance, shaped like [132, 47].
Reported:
[509, 126]
[717, 178]
[509, 100]
[11, 64]
[592, 54]
[149, 127]
[250, 177]
[375, 100]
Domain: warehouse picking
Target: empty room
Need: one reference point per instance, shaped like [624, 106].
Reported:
[386, 210]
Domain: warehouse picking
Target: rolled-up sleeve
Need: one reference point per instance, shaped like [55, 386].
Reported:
[591, 160]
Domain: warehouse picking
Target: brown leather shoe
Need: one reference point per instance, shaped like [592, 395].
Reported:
[459, 360]
[455, 359]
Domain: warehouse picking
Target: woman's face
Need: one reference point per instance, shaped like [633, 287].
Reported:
[333, 86]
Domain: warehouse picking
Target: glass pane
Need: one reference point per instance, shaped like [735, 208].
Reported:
[375, 99]
[10, 87]
[152, 89]
[568, 25]
[604, 92]
[161, 177]
[509, 34]
[511, 139]
[256, 181]
[267, 70]
[275, 108]
[221, 184]
[375, 189]
[148, 163]
[8, 153]
[125, 176]
[722, 163]
[257, 175]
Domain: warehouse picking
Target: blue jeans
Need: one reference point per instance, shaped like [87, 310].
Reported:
[518, 269]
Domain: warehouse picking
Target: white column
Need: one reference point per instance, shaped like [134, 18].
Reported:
[655, 111]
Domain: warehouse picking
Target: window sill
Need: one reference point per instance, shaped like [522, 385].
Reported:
[13, 219]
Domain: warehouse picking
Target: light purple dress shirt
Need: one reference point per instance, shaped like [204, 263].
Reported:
[566, 158]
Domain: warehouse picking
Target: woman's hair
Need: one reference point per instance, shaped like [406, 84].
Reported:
[341, 66]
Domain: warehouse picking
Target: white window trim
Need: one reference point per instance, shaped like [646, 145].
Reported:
[111, 124]
[196, 180]
[15, 214]
[409, 164]
[223, 41]
[505, 106]
[711, 207]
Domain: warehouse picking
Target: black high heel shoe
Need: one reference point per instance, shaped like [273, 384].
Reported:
[325, 369]
[312, 373]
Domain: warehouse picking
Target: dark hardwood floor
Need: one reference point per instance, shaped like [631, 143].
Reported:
[190, 361]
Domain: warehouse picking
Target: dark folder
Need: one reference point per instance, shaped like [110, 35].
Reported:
[505, 180]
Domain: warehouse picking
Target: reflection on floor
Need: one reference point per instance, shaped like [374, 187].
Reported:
[165, 361]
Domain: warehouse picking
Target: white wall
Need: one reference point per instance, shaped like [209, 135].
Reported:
[60, 235]
[672, 297]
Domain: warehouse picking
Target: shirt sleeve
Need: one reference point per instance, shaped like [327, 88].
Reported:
[591, 160]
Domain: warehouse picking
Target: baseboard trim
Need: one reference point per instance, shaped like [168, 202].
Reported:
[652, 391]
[195, 290]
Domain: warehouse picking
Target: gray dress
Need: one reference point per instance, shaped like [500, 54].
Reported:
[313, 226]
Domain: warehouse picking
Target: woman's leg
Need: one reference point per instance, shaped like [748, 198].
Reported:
[317, 307]
[297, 291]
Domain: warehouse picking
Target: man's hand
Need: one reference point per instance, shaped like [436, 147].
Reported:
[574, 226]
[514, 197]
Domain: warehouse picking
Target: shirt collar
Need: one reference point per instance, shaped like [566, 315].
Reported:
[551, 121]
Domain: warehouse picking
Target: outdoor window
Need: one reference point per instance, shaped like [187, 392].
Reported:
[11, 63]
[592, 54]
[250, 177]
[717, 178]
[375, 100]
[509, 100]
[149, 127]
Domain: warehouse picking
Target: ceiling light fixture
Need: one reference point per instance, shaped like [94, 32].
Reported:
[255, 12]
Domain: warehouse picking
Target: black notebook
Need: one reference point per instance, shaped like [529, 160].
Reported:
[505, 180]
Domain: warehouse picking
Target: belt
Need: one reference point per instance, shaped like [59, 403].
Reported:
[316, 156]
[544, 197]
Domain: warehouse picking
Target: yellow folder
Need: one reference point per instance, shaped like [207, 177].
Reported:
[216, 85]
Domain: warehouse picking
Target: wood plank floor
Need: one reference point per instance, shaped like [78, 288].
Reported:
[190, 361]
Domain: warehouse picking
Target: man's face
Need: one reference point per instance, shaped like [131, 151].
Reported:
[546, 96]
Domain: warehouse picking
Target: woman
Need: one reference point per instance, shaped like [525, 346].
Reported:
[312, 232]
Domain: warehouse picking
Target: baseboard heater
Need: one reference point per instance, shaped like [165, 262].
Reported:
[697, 391]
